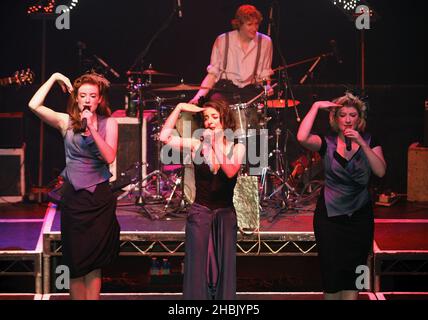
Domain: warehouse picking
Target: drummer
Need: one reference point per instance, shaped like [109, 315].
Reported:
[240, 61]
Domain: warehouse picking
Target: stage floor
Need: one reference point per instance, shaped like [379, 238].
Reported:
[30, 234]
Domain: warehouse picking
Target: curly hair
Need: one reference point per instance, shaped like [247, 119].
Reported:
[244, 13]
[349, 100]
[222, 107]
[103, 108]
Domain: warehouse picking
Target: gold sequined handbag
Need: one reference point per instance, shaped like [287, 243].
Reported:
[246, 203]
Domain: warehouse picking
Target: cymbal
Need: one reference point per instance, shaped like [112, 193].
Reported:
[280, 103]
[181, 87]
[150, 72]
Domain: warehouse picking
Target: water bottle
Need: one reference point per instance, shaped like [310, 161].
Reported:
[166, 267]
[154, 267]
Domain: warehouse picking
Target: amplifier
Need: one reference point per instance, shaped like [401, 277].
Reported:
[12, 175]
[11, 130]
[127, 148]
[417, 173]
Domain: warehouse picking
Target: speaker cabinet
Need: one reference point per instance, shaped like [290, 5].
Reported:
[12, 175]
[417, 173]
[11, 130]
[128, 141]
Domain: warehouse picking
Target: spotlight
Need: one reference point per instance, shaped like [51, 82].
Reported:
[348, 7]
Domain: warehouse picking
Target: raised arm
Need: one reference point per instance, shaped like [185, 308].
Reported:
[311, 141]
[55, 119]
[167, 133]
[208, 83]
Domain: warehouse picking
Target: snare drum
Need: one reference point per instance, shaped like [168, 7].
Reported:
[246, 116]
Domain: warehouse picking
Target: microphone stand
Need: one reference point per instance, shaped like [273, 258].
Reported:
[141, 104]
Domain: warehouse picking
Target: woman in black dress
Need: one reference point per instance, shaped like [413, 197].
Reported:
[211, 226]
[89, 227]
[343, 219]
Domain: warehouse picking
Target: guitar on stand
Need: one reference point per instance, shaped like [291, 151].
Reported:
[19, 78]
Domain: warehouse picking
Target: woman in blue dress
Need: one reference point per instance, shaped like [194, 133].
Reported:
[343, 219]
[89, 227]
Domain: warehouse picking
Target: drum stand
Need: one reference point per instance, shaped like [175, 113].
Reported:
[184, 203]
[283, 192]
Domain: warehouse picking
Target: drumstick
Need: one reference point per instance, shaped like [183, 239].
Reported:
[259, 95]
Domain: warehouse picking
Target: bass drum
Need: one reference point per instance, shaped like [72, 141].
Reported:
[186, 125]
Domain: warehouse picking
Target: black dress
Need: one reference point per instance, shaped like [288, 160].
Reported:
[211, 235]
[344, 241]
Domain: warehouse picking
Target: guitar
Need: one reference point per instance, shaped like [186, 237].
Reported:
[19, 78]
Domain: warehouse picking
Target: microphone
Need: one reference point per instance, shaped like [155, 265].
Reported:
[179, 9]
[333, 45]
[270, 20]
[105, 65]
[348, 144]
[84, 120]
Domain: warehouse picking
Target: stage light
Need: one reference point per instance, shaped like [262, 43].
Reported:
[348, 5]
[48, 7]
[350, 8]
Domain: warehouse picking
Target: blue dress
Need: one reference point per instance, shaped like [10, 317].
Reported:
[343, 219]
[89, 227]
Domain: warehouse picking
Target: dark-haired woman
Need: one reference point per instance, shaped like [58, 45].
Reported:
[211, 226]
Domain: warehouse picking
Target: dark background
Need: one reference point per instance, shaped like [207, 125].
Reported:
[118, 31]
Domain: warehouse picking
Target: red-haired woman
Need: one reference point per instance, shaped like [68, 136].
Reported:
[89, 227]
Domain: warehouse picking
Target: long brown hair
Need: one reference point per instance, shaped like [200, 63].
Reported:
[226, 116]
[103, 108]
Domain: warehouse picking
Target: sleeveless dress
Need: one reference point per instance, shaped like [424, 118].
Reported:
[89, 227]
[211, 235]
[343, 219]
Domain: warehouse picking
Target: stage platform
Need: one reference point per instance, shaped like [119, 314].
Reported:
[30, 242]
[242, 296]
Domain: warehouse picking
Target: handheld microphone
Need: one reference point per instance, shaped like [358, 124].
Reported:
[180, 11]
[348, 143]
[84, 120]
[333, 45]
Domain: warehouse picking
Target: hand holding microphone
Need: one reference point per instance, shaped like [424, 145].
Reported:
[84, 119]
[351, 135]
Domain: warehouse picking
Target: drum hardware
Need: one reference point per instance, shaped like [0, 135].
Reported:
[181, 87]
[136, 103]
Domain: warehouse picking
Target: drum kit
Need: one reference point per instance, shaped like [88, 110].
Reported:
[172, 182]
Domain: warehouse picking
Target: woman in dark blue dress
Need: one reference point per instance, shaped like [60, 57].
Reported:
[343, 219]
[89, 227]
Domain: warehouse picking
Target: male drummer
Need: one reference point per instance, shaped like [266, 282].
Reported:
[240, 60]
